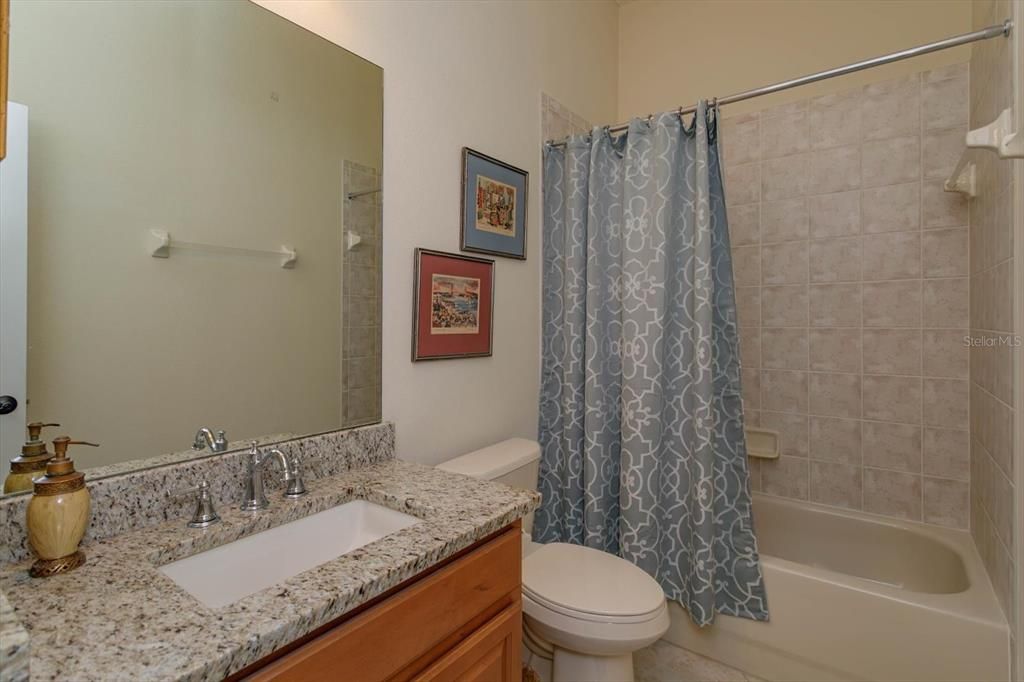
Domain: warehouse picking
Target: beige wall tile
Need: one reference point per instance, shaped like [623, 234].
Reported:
[946, 503]
[834, 120]
[892, 493]
[835, 260]
[895, 255]
[892, 304]
[783, 135]
[892, 108]
[750, 388]
[784, 391]
[892, 446]
[891, 208]
[783, 221]
[990, 309]
[941, 150]
[741, 139]
[892, 351]
[893, 399]
[784, 178]
[748, 306]
[1000, 505]
[746, 265]
[784, 348]
[835, 305]
[744, 225]
[786, 477]
[784, 306]
[784, 263]
[863, 267]
[743, 183]
[944, 98]
[835, 395]
[836, 484]
[792, 428]
[942, 208]
[992, 365]
[945, 403]
[944, 353]
[835, 350]
[946, 453]
[754, 472]
[785, 108]
[944, 253]
[835, 440]
[992, 426]
[834, 215]
[750, 347]
[945, 303]
[890, 162]
[833, 170]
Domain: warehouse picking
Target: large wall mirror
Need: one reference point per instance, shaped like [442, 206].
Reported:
[191, 221]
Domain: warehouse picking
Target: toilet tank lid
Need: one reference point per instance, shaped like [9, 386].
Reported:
[495, 460]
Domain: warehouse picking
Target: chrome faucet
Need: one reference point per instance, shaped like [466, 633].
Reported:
[255, 495]
[205, 439]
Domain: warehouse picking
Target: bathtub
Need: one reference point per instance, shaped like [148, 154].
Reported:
[854, 596]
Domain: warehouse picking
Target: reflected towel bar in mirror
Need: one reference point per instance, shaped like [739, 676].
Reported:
[161, 245]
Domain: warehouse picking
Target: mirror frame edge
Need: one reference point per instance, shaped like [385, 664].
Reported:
[5, 37]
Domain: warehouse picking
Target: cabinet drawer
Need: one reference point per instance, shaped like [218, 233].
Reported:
[400, 635]
[490, 654]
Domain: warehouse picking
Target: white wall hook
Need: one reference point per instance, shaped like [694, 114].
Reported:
[998, 136]
[964, 178]
[160, 244]
[352, 240]
[290, 257]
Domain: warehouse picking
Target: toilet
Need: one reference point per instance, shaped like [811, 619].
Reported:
[584, 611]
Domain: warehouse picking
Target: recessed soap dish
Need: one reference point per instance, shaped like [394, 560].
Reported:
[762, 443]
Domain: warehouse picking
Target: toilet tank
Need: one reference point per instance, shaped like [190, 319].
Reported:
[513, 462]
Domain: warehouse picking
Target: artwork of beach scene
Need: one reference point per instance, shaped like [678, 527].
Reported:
[455, 305]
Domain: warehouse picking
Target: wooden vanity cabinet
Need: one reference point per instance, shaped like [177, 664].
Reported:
[459, 621]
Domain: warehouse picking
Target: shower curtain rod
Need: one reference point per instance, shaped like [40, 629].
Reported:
[994, 31]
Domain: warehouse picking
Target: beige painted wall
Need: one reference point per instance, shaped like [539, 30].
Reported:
[147, 115]
[673, 53]
[466, 74]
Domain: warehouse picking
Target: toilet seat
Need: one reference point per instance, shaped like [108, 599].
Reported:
[591, 585]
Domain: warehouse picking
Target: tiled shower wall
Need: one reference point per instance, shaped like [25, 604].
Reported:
[851, 267]
[992, 359]
[360, 303]
[557, 121]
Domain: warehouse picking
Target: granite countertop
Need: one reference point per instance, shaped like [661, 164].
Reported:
[119, 617]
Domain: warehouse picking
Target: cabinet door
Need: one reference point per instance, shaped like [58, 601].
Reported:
[490, 654]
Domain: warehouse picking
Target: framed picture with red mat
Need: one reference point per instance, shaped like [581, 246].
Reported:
[453, 306]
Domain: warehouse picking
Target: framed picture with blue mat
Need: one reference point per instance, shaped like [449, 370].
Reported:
[493, 206]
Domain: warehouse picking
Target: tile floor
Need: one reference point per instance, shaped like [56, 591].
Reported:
[664, 662]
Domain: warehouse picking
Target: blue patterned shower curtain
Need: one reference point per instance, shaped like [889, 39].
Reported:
[641, 424]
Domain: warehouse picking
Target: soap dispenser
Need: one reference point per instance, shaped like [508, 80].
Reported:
[32, 462]
[58, 513]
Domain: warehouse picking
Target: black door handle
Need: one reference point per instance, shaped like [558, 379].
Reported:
[8, 404]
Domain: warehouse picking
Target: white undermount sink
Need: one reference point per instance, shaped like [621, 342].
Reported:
[225, 574]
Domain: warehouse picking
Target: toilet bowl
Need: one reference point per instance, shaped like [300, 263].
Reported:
[585, 611]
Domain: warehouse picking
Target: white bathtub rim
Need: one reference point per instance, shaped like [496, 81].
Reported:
[977, 603]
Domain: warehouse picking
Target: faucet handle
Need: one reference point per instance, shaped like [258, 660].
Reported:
[295, 487]
[220, 443]
[204, 514]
